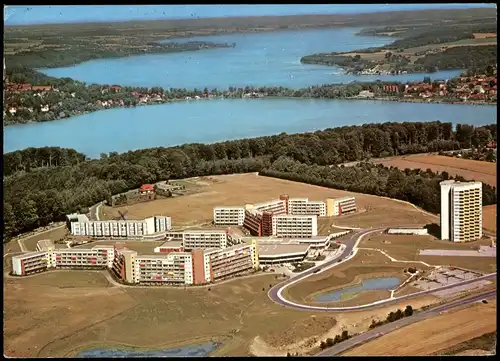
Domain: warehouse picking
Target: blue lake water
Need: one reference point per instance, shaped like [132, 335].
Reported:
[259, 59]
[187, 351]
[207, 121]
[387, 283]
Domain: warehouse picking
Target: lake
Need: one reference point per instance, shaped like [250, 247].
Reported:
[187, 351]
[259, 59]
[207, 121]
[372, 284]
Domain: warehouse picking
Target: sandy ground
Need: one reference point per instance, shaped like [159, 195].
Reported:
[436, 334]
[484, 35]
[407, 248]
[469, 169]
[353, 322]
[52, 314]
[227, 190]
[490, 218]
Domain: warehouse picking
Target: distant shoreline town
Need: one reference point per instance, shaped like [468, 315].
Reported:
[26, 103]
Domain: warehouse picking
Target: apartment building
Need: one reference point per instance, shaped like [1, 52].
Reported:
[229, 216]
[204, 239]
[232, 261]
[170, 268]
[258, 217]
[80, 225]
[461, 211]
[171, 245]
[294, 226]
[29, 263]
[101, 256]
[340, 206]
[303, 206]
[74, 258]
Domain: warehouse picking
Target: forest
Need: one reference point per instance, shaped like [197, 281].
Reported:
[43, 185]
[417, 186]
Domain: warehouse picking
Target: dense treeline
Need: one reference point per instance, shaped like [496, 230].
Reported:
[443, 34]
[415, 186]
[37, 191]
[26, 159]
[461, 57]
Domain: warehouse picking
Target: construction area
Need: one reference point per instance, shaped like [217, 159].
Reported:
[448, 276]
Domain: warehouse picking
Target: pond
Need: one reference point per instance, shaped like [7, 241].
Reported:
[202, 350]
[372, 284]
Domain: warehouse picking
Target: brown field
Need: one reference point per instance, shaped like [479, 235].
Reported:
[407, 248]
[478, 346]
[227, 190]
[485, 172]
[490, 218]
[433, 335]
[366, 264]
[484, 35]
[43, 318]
[55, 234]
[326, 226]
[58, 313]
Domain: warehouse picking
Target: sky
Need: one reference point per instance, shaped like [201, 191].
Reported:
[25, 15]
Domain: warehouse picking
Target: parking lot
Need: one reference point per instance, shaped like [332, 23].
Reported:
[484, 251]
[448, 276]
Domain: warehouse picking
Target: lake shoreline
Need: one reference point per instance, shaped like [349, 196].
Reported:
[382, 99]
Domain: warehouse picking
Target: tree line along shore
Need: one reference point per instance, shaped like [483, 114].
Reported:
[42, 185]
[31, 96]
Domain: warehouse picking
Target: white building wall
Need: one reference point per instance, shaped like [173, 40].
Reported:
[229, 215]
[16, 266]
[298, 226]
[188, 269]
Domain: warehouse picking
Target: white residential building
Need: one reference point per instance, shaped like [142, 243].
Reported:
[461, 211]
[303, 206]
[80, 225]
[339, 206]
[294, 226]
[204, 239]
[229, 216]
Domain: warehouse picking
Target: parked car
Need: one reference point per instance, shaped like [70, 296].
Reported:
[484, 301]
[317, 270]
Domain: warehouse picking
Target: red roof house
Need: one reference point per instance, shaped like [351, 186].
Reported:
[146, 188]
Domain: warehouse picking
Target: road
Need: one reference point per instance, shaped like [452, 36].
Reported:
[384, 329]
[275, 293]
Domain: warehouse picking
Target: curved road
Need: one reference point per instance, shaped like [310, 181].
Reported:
[384, 329]
[275, 293]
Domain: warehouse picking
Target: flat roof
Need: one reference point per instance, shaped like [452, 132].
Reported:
[28, 255]
[211, 230]
[230, 207]
[161, 255]
[300, 216]
[45, 244]
[276, 250]
[172, 243]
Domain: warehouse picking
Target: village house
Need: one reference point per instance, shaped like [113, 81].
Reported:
[115, 88]
[146, 189]
[12, 110]
[45, 108]
[391, 89]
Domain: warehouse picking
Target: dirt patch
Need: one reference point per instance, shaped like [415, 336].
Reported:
[239, 189]
[403, 247]
[484, 35]
[469, 169]
[433, 335]
[45, 320]
[55, 234]
[490, 218]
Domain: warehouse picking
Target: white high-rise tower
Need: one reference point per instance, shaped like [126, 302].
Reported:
[461, 211]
